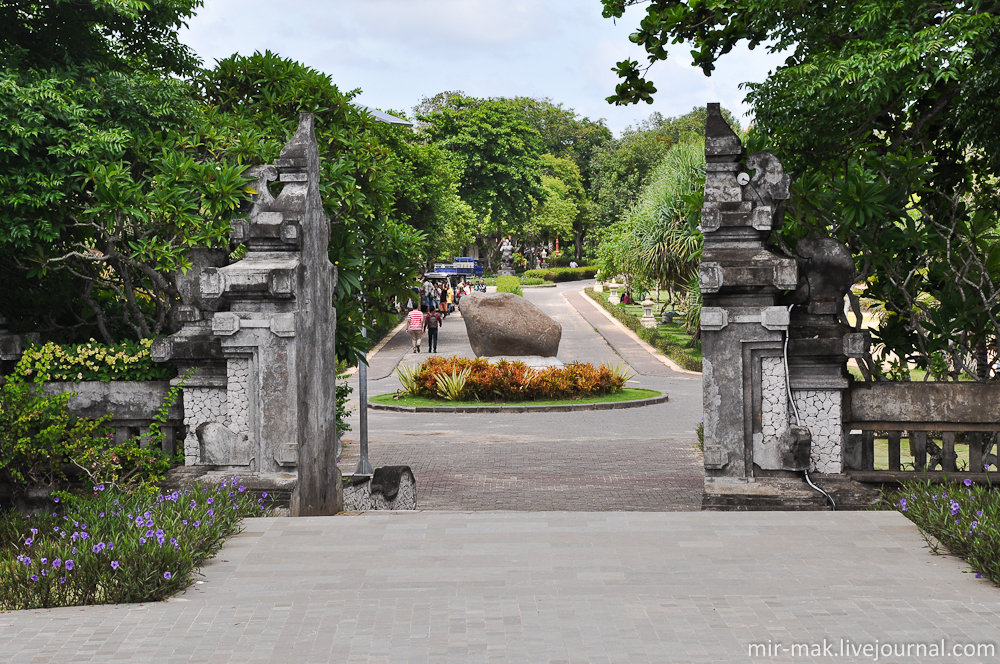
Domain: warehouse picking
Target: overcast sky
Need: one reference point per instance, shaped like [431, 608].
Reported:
[398, 51]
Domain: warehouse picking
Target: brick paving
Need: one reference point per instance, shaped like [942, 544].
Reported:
[639, 459]
[661, 475]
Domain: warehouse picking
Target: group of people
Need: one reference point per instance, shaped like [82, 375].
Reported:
[433, 302]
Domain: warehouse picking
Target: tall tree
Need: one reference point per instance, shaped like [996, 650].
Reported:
[497, 152]
[883, 111]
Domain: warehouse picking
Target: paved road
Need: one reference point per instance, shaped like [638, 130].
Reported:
[635, 459]
[539, 587]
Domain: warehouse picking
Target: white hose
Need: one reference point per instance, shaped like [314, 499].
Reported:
[798, 421]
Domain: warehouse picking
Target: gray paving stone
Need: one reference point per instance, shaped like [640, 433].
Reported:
[536, 587]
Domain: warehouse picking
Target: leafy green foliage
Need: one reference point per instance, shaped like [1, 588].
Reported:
[38, 436]
[128, 360]
[881, 114]
[497, 153]
[344, 391]
[658, 241]
[962, 517]
[509, 285]
[114, 546]
[559, 274]
[451, 387]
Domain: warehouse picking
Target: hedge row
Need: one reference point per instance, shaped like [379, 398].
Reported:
[651, 336]
[557, 274]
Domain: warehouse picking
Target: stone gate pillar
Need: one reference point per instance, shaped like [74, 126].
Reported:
[275, 331]
[743, 326]
[773, 334]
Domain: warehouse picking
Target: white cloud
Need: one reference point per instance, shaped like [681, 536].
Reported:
[398, 51]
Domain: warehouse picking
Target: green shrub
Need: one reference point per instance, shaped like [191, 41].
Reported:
[343, 412]
[509, 285]
[963, 517]
[128, 360]
[671, 349]
[114, 546]
[40, 441]
[560, 274]
[38, 436]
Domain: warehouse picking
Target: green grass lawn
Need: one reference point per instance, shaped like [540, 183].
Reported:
[906, 461]
[627, 394]
[674, 332]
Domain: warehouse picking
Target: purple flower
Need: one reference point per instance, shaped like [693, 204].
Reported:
[149, 523]
[44, 560]
[56, 563]
[979, 513]
[264, 495]
[967, 482]
[184, 522]
[978, 575]
[975, 524]
[101, 515]
[34, 577]
[45, 572]
[167, 575]
[193, 504]
[56, 499]
[28, 542]
[211, 500]
[242, 489]
[34, 531]
[902, 504]
[114, 564]
[84, 535]
[142, 540]
[70, 565]
[211, 512]
[74, 549]
[111, 546]
[197, 524]
[62, 579]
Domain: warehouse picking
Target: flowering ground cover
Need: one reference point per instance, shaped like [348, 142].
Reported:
[114, 546]
[962, 517]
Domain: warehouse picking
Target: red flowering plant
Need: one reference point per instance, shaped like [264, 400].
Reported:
[513, 381]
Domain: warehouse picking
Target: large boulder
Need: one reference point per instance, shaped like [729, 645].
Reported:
[507, 324]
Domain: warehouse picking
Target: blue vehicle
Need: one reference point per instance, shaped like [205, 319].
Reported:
[463, 267]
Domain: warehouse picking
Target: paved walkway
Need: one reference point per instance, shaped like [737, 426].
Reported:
[540, 587]
[637, 357]
[639, 459]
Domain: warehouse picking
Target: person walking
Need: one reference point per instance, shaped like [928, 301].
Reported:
[415, 326]
[451, 299]
[432, 321]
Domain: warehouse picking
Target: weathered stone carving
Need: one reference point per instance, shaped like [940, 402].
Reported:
[507, 324]
[765, 415]
[272, 325]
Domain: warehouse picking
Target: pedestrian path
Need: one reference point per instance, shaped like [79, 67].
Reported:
[488, 587]
[640, 459]
[632, 352]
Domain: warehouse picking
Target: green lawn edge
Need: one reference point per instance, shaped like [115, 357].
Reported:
[627, 394]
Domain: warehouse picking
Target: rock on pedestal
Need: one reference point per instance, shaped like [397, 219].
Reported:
[507, 324]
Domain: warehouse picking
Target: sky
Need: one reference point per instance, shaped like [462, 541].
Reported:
[399, 51]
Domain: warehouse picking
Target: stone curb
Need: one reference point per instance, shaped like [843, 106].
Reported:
[556, 408]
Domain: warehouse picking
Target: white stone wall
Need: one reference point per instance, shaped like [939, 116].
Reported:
[774, 399]
[238, 372]
[201, 404]
[820, 411]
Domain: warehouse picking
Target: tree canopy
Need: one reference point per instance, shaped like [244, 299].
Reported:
[883, 112]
